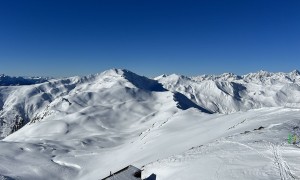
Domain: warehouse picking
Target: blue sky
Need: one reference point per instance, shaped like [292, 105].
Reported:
[65, 38]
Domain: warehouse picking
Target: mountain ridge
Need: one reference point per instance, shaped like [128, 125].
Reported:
[32, 103]
[225, 93]
[6, 80]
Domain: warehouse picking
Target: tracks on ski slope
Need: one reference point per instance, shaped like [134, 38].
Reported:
[284, 169]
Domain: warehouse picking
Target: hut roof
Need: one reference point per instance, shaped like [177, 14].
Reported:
[127, 173]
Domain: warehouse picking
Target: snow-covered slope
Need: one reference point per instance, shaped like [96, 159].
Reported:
[19, 104]
[170, 126]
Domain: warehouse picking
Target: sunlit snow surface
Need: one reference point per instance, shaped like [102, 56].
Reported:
[106, 123]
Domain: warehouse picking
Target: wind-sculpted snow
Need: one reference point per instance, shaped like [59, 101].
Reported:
[172, 127]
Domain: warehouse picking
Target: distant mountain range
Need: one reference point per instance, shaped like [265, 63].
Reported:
[26, 99]
[16, 81]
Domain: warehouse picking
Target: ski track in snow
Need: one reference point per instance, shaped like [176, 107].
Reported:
[283, 167]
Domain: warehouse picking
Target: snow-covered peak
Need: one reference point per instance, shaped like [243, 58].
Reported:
[264, 77]
[295, 73]
[161, 76]
[260, 77]
[113, 72]
[128, 79]
[174, 78]
[259, 74]
[223, 77]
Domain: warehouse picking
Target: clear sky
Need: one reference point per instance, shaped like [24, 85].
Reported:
[149, 37]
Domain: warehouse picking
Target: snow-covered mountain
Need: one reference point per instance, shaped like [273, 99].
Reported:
[16, 81]
[27, 104]
[229, 93]
[177, 127]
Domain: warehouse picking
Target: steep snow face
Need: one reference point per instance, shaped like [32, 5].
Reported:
[229, 93]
